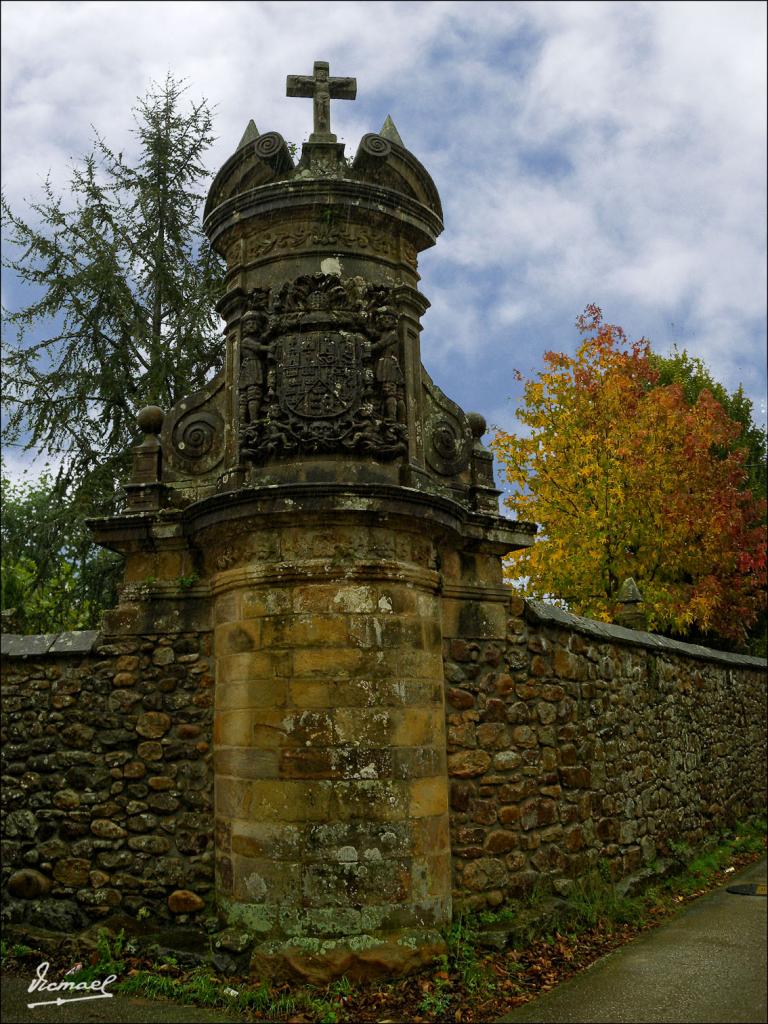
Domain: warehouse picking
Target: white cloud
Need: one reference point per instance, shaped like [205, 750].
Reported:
[609, 152]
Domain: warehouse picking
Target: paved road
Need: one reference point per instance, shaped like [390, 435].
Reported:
[708, 964]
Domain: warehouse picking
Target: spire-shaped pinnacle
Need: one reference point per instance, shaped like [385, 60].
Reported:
[390, 133]
[250, 134]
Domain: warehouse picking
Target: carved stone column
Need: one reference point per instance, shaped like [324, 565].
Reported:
[338, 515]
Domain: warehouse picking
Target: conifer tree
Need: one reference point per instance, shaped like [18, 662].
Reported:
[124, 286]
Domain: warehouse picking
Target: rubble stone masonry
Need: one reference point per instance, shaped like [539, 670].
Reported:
[568, 743]
[572, 742]
[107, 778]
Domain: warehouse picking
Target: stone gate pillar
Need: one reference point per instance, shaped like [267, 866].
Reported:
[330, 503]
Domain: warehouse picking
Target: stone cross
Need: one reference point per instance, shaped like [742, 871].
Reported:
[322, 89]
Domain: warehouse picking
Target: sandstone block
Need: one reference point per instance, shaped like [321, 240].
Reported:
[381, 960]
[326, 663]
[369, 727]
[417, 726]
[275, 601]
[428, 797]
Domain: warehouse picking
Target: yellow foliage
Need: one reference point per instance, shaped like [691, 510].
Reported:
[626, 479]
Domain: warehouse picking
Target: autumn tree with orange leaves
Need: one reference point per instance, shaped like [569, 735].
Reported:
[625, 478]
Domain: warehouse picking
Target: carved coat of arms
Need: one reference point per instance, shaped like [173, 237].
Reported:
[319, 375]
[328, 376]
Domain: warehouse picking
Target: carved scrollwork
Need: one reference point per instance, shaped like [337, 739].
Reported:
[268, 144]
[448, 446]
[376, 146]
[340, 236]
[193, 434]
[273, 150]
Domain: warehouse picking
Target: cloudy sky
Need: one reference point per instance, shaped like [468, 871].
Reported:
[584, 152]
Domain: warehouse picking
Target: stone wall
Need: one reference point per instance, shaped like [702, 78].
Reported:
[107, 778]
[572, 742]
[569, 742]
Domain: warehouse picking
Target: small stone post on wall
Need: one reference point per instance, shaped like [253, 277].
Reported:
[631, 609]
[331, 515]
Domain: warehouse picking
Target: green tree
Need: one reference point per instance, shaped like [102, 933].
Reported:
[693, 376]
[53, 576]
[124, 286]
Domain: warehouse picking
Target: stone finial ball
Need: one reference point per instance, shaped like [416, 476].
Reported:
[150, 419]
[477, 424]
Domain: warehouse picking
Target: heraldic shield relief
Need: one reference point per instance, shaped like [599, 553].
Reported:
[320, 371]
[319, 375]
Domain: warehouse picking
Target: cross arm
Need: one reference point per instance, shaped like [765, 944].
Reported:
[343, 88]
[299, 85]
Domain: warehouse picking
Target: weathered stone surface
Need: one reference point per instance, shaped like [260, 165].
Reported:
[72, 871]
[153, 724]
[233, 939]
[379, 960]
[184, 901]
[163, 656]
[106, 829]
[556, 792]
[67, 799]
[485, 873]
[467, 763]
[28, 884]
